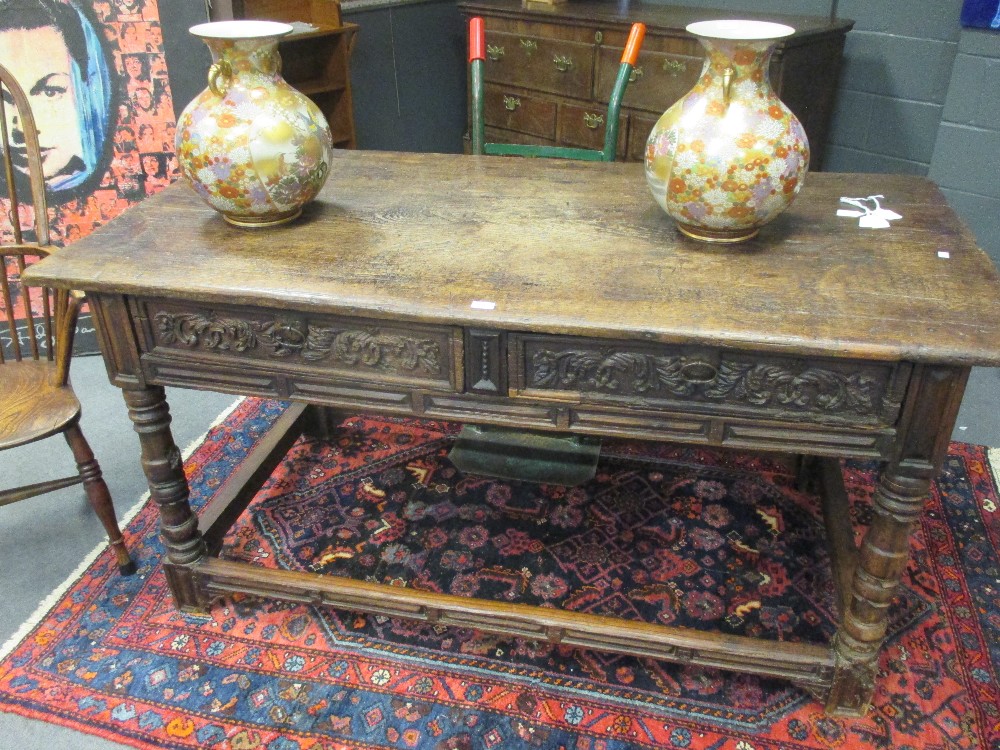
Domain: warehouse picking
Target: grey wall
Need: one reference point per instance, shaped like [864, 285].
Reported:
[408, 77]
[187, 56]
[894, 83]
[966, 159]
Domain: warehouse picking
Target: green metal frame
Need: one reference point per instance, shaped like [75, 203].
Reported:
[478, 134]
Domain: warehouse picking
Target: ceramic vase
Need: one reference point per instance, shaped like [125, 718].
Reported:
[252, 146]
[729, 156]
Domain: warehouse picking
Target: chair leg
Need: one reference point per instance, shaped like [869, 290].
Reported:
[98, 495]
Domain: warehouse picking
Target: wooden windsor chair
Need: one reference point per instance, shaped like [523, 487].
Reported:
[36, 398]
[477, 60]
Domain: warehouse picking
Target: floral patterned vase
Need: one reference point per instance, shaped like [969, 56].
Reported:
[729, 156]
[253, 147]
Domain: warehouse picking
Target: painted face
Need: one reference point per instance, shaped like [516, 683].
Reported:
[144, 98]
[133, 66]
[41, 63]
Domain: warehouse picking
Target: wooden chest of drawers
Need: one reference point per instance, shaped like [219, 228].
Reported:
[550, 69]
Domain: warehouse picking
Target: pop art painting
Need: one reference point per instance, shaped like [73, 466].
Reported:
[95, 75]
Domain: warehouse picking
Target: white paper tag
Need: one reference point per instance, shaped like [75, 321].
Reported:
[480, 304]
[944, 254]
[871, 221]
[871, 214]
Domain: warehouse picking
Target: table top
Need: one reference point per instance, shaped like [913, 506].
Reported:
[569, 247]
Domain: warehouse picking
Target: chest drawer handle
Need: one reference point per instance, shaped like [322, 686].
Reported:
[635, 75]
[529, 46]
[674, 67]
[494, 52]
[593, 121]
[699, 371]
[562, 62]
[510, 103]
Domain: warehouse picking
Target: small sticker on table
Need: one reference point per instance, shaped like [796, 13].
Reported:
[481, 304]
[944, 254]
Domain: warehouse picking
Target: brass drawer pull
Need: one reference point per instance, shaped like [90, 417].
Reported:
[494, 52]
[510, 103]
[562, 62]
[598, 37]
[636, 74]
[593, 121]
[699, 371]
[529, 46]
[674, 67]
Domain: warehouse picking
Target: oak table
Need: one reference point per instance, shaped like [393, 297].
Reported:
[555, 295]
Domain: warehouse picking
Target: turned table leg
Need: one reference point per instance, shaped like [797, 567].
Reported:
[162, 463]
[928, 417]
[883, 556]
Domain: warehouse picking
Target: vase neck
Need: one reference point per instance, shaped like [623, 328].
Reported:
[255, 57]
[748, 60]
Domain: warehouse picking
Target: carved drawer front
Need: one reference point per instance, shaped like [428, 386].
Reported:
[290, 343]
[658, 79]
[556, 66]
[704, 380]
[521, 112]
[585, 127]
[639, 129]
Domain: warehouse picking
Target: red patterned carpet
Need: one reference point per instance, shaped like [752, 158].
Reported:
[664, 534]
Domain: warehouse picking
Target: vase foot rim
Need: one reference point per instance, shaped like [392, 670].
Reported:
[267, 220]
[718, 236]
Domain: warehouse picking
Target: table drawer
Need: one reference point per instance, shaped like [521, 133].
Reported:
[584, 127]
[287, 342]
[712, 381]
[658, 80]
[553, 65]
[521, 112]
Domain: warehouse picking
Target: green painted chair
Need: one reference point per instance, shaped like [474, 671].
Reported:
[477, 59]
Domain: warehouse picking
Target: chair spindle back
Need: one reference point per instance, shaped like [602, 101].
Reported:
[31, 316]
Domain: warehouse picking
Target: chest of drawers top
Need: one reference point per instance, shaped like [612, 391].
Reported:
[550, 70]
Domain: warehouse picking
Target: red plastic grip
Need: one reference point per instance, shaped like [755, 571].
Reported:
[477, 39]
[634, 43]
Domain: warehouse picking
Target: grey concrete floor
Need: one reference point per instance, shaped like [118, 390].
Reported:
[43, 540]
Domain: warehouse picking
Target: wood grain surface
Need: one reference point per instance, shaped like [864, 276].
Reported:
[571, 248]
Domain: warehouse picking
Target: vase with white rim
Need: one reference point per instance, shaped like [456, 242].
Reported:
[729, 156]
[253, 147]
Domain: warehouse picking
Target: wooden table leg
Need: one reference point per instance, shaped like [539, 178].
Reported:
[162, 463]
[932, 402]
[883, 555]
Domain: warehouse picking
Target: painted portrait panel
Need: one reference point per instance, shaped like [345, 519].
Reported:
[96, 78]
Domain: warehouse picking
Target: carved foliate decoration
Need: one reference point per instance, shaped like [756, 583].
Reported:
[313, 343]
[190, 329]
[760, 384]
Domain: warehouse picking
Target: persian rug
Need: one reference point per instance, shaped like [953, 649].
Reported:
[662, 533]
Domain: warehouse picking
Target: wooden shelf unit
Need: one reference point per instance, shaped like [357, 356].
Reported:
[316, 60]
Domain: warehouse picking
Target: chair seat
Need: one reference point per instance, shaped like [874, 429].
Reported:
[31, 408]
